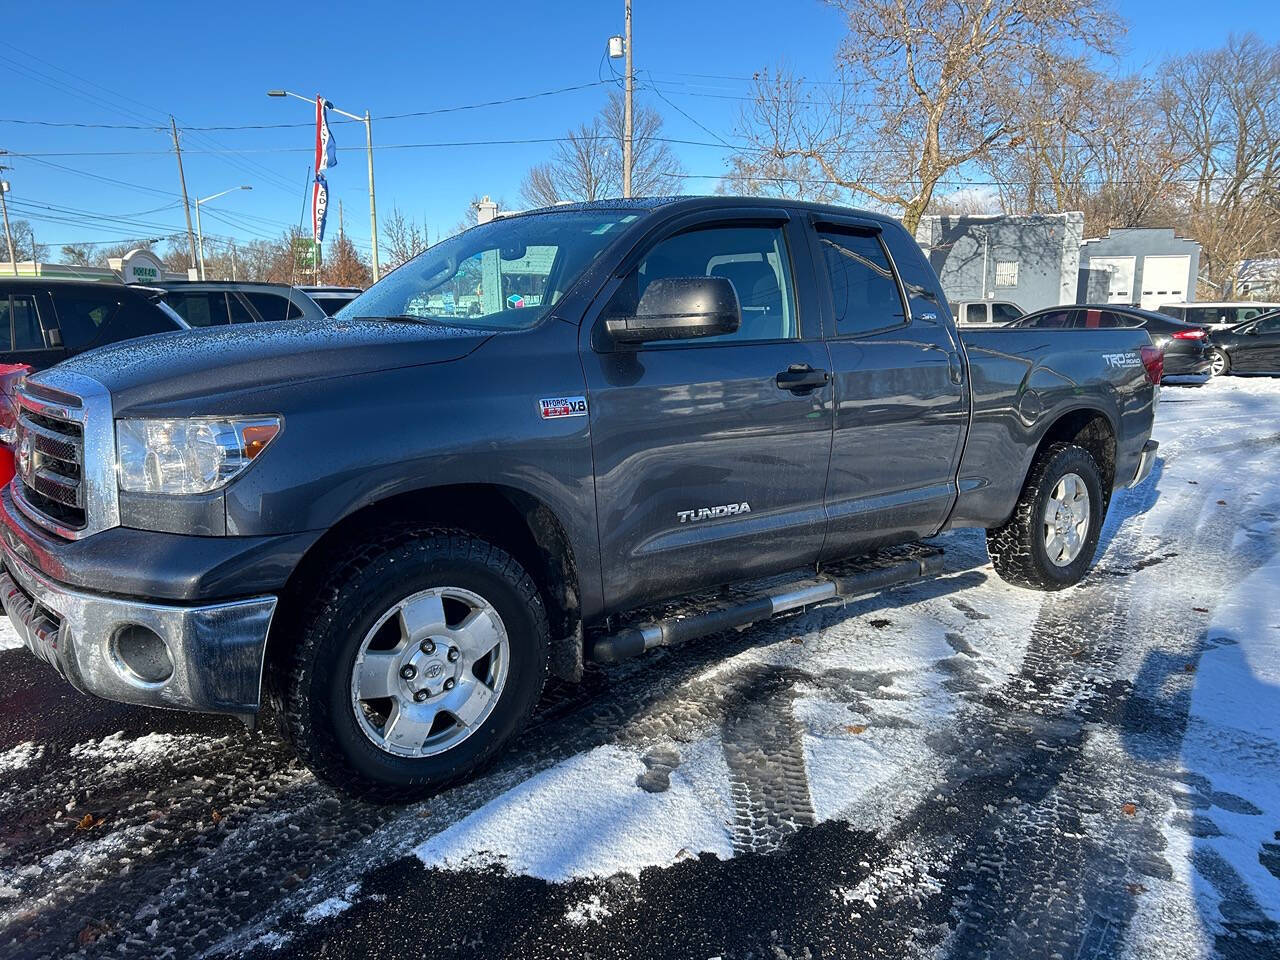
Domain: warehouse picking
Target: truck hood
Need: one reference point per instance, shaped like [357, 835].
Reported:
[202, 363]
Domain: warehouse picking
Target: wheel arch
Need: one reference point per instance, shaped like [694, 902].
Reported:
[1087, 427]
[510, 518]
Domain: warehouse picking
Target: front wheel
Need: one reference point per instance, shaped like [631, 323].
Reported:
[1050, 540]
[1219, 363]
[417, 661]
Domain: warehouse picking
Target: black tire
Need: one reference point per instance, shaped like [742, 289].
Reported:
[317, 715]
[1018, 550]
[1214, 355]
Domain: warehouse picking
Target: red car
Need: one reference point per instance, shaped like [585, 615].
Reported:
[11, 375]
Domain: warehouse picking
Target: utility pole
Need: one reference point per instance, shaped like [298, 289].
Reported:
[182, 178]
[8, 235]
[626, 116]
[373, 207]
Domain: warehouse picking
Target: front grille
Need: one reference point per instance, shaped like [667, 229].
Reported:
[51, 467]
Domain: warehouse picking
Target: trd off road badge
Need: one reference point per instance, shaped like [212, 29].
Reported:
[554, 407]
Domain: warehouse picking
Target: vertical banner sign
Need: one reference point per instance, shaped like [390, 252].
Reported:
[326, 156]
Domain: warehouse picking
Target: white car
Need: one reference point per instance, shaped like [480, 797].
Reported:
[1218, 316]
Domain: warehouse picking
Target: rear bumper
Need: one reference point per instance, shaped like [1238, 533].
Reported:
[1187, 364]
[211, 660]
[1146, 460]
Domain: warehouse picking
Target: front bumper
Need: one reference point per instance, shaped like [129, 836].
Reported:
[214, 651]
[1146, 460]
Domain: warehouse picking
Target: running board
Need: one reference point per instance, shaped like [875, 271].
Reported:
[848, 578]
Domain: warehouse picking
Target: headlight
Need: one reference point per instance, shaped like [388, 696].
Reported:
[188, 456]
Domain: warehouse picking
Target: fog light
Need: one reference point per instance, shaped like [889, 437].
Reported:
[141, 652]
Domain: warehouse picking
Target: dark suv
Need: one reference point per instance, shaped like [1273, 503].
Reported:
[44, 321]
[1185, 345]
[218, 303]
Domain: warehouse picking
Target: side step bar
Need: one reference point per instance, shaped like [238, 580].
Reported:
[845, 579]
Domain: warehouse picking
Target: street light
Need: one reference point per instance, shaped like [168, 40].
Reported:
[368, 139]
[199, 230]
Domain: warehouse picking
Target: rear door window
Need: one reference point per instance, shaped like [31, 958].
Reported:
[23, 323]
[864, 291]
[83, 314]
[273, 306]
[137, 318]
[239, 312]
[1053, 319]
[200, 308]
[1004, 313]
[975, 313]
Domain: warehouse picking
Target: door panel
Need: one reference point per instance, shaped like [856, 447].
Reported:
[1261, 353]
[901, 403]
[707, 470]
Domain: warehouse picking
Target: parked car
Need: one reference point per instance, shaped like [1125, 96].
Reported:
[11, 374]
[44, 321]
[1217, 316]
[397, 526]
[1250, 347]
[971, 313]
[332, 299]
[1185, 345]
[217, 303]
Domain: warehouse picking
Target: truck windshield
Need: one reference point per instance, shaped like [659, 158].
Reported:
[503, 275]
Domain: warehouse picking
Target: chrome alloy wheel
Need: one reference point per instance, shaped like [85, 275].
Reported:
[430, 672]
[1066, 520]
[1217, 363]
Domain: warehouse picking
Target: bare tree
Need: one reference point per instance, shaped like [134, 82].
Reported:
[402, 239]
[25, 246]
[1222, 109]
[1085, 140]
[587, 164]
[77, 254]
[921, 91]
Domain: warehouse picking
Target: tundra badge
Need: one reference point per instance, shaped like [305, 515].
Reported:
[708, 513]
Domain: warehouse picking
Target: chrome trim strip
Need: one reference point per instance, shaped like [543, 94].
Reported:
[100, 492]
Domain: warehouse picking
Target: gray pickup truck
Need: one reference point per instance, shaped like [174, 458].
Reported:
[515, 451]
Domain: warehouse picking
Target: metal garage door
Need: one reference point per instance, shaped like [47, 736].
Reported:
[1164, 280]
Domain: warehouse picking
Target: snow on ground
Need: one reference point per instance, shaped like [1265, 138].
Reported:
[9, 639]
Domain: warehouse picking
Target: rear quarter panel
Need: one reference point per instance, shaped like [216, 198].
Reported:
[1025, 381]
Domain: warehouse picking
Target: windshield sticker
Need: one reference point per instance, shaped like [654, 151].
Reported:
[554, 407]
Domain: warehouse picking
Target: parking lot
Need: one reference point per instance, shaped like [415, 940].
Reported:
[956, 768]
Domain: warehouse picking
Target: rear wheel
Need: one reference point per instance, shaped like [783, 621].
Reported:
[1219, 362]
[1050, 540]
[417, 661]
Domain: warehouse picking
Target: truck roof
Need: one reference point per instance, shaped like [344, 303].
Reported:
[694, 203]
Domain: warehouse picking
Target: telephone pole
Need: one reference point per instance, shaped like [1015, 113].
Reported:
[626, 114]
[8, 235]
[182, 178]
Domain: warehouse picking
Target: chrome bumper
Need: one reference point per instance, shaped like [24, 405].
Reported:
[215, 652]
[1145, 462]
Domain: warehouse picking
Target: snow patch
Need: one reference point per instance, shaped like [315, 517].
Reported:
[586, 817]
[590, 910]
[326, 909]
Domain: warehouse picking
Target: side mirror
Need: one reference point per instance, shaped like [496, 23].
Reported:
[680, 308]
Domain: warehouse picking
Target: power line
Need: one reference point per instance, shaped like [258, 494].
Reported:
[285, 126]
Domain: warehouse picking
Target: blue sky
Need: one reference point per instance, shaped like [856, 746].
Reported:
[134, 65]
